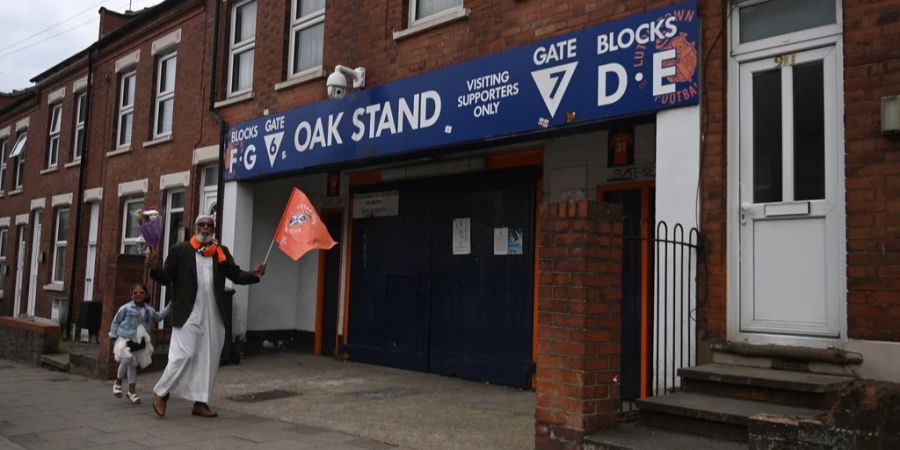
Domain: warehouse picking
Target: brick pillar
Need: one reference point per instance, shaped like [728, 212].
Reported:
[579, 323]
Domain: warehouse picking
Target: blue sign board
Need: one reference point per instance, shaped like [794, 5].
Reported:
[638, 64]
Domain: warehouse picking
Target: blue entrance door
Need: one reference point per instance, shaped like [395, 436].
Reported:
[415, 304]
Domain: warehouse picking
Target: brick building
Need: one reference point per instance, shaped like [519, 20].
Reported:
[579, 197]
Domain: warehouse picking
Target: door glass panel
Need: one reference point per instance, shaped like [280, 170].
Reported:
[777, 17]
[809, 131]
[767, 136]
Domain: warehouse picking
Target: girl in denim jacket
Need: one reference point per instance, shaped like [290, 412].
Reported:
[133, 346]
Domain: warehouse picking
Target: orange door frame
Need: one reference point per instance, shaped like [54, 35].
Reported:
[645, 187]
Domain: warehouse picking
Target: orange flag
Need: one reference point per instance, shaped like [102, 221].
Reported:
[300, 229]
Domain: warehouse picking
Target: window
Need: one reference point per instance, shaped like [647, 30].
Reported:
[4, 235]
[210, 190]
[307, 36]
[126, 109]
[131, 233]
[4, 146]
[80, 114]
[243, 39]
[60, 237]
[53, 146]
[424, 10]
[18, 153]
[165, 95]
[778, 17]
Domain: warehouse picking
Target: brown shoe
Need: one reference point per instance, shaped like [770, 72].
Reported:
[159, 405]
[202, 410]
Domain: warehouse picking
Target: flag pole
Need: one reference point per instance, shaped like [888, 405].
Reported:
[270, 251]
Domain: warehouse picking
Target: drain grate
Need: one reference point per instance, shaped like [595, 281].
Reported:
[381, 394]
[5, 367]
[255, 397]
[57, 379]
[790, 364]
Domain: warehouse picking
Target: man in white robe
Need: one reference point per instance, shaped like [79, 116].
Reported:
[196, 270]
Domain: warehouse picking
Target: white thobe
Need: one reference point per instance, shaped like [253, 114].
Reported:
[196, 346]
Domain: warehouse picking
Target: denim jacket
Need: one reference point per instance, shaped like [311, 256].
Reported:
[126, 321]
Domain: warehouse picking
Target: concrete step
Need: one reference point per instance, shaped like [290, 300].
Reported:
[782, 387]
[58, 361]
[706, 415]
[636, 437]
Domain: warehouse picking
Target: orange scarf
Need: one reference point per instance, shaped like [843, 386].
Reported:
[209, 250]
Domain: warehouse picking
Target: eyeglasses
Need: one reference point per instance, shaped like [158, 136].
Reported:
[206, 224]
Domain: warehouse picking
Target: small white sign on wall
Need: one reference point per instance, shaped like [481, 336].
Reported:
[501, 241]
[376, 204]
[462, 236]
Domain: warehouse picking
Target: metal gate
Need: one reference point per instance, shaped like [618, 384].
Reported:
[659, 306]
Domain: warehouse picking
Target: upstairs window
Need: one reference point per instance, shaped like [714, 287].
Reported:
[241, 47]
[78, 137]
[18, 155]
[307, 36]
[53, 143]
[165, 95]
[126, 109]
[4, 148]
[4, 235]
[428, 10]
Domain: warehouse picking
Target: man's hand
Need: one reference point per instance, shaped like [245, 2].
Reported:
[259, 271]
[153, 258]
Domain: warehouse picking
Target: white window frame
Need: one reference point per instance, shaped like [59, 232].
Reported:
[436, 17]
[780, 40]
[125, 110]
[129, 240]
[237, 48]
[19, 173]
[163, 96]
[59, 246]
[80, 117]
[4, 146]
[4, 235]
[53, 133]
[209, 191]
[298, 24]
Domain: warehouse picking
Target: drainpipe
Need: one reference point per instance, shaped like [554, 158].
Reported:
[80, 191]
[220, 187]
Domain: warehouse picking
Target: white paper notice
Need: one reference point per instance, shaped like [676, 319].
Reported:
[501, 241]
[462, 236]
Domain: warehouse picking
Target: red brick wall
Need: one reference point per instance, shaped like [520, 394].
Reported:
[579, 324]
[711, 271]
[871, 71]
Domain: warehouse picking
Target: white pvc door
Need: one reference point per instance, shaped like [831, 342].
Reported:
[789, 186]
[91, 260]
[35, 259]
[20, 268]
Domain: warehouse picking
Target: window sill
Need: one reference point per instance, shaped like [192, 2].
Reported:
[157, 141]
[15, 192]
[119, 151]
[55, 287]
[452, 15]
[73, 164]
[232, 100]
[314, 73]
[50, 170]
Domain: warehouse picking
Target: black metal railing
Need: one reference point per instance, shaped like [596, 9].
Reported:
[659, 306]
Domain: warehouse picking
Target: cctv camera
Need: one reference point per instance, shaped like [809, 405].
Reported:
[337, 85]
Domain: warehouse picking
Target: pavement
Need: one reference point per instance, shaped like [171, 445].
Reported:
[284, 400]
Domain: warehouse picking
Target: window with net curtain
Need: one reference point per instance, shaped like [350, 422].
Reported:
[131, 232]
[422, 9]
[307, 36]
[241, 48]
[60, 242]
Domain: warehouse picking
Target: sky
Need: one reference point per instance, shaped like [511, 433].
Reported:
[38, 34]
